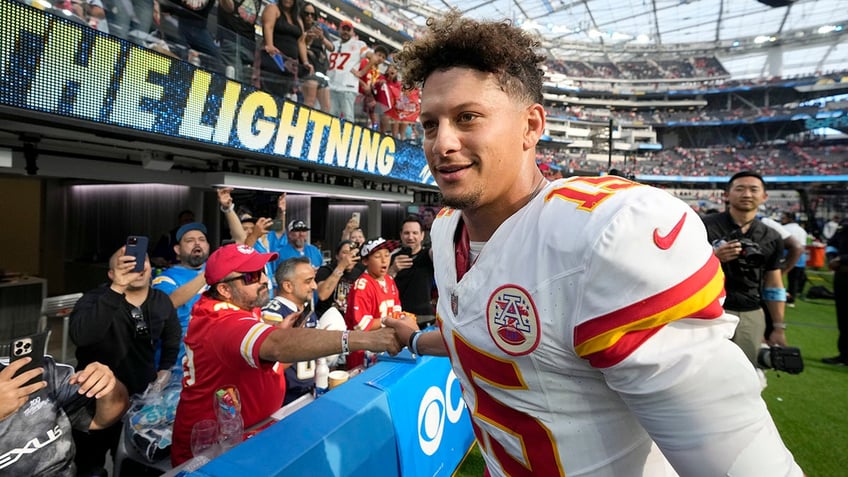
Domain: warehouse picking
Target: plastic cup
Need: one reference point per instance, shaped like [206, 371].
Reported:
[204, 437]
[338, 377]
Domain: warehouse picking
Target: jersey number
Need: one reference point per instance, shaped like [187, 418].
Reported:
[537, 446]
[338, 60]
[605, 186]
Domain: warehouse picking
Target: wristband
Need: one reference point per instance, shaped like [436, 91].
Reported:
[229, 209]
[774, 294]
[413, 342]
[412, 338]
[345, 342]
[779, 326]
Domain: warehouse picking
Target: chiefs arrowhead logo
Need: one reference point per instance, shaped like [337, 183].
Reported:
[665, 242]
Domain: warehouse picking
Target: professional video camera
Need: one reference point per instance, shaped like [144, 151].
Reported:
[781, 358]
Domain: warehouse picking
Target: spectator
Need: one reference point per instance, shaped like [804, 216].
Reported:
[317, 85]
[830, 227]
[36, 420]
[184, 283]
[369, 75]
[193, 18]
[336, 278]
[118, 324]
[163, 255]
[590, 333]
[428, 215]
[797, 275]
[297, 245]
[285, 40]
[374, 294]
[236, 35]
[229, 345]
[357, 236]
[388, 90]
[345, 59]
[412, 269]
[837, 256]
[750, 254]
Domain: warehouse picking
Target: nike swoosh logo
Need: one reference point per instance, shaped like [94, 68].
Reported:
[665, 242]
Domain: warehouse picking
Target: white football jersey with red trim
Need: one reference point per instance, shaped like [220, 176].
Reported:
[589, 334]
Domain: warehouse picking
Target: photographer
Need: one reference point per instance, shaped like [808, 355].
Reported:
[750, 253]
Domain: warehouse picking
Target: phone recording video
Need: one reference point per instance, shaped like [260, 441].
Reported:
[307, 310]
[276, 225]
[137, 247]
[33, 346]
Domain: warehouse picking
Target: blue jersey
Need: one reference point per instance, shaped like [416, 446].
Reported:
[309, 251]
[170, 280]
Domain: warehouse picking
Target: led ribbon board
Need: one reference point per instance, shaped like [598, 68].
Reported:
[52, 65]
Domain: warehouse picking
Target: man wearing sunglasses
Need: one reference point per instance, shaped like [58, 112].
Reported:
[227, 344]
[119, 324]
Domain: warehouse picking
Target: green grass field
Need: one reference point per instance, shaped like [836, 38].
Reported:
[810, 409]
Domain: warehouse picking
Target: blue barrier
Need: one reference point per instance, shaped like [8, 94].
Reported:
[398, 418]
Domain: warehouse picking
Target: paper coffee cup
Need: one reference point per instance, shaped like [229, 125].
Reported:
[338, 377]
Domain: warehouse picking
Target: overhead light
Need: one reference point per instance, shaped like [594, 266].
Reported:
[241, 181]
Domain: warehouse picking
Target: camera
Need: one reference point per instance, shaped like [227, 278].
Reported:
[781, 358]
[751, 255]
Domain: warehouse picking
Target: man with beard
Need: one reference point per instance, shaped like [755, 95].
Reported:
[184, 282]
[297, 245]
[118, 324]
[582, 317]
[227, 344]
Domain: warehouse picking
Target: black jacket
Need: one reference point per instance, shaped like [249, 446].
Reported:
[102, 328]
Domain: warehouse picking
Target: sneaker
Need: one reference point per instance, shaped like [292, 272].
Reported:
[836, 361]
[790, 305]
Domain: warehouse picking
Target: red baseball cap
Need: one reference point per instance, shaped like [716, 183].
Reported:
[345, 23]
[378, 243]
[235, 258]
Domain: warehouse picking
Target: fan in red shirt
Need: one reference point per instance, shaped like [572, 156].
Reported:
[373, 295]
[228, 345]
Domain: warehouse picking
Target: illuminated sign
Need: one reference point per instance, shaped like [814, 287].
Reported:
[52, 65]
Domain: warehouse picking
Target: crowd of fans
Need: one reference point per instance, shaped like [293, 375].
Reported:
[789, 160]
[694, 67]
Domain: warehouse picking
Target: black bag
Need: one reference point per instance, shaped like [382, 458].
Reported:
[819, 291]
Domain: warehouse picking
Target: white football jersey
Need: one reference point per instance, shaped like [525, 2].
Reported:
[589, 334]
[346, 57]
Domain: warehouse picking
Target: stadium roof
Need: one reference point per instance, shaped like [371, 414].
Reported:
[812, 34]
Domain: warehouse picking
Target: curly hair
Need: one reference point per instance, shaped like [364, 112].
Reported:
[499, 48]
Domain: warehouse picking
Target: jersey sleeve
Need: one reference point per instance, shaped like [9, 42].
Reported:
[648, 264]
[654, 326]
[164, 283]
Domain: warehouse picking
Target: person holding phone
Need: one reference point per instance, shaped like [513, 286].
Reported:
[122, 324]
[44, 413]
[412, 269]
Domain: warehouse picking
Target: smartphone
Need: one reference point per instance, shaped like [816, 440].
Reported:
[356, 217]
[405, 251]
[33, 346]
[278, 59]
[307, 310]
[276, 225]
[137, 247]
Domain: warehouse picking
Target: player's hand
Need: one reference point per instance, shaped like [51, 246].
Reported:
[403, 326]
[13, 393]
[96, 380]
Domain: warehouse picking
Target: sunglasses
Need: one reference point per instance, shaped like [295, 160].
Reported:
[141, 330]
[309, 14]
[249, 278]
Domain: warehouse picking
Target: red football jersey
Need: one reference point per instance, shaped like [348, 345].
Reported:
[222, 349]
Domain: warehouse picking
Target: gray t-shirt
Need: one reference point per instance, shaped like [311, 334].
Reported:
[37, 440]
